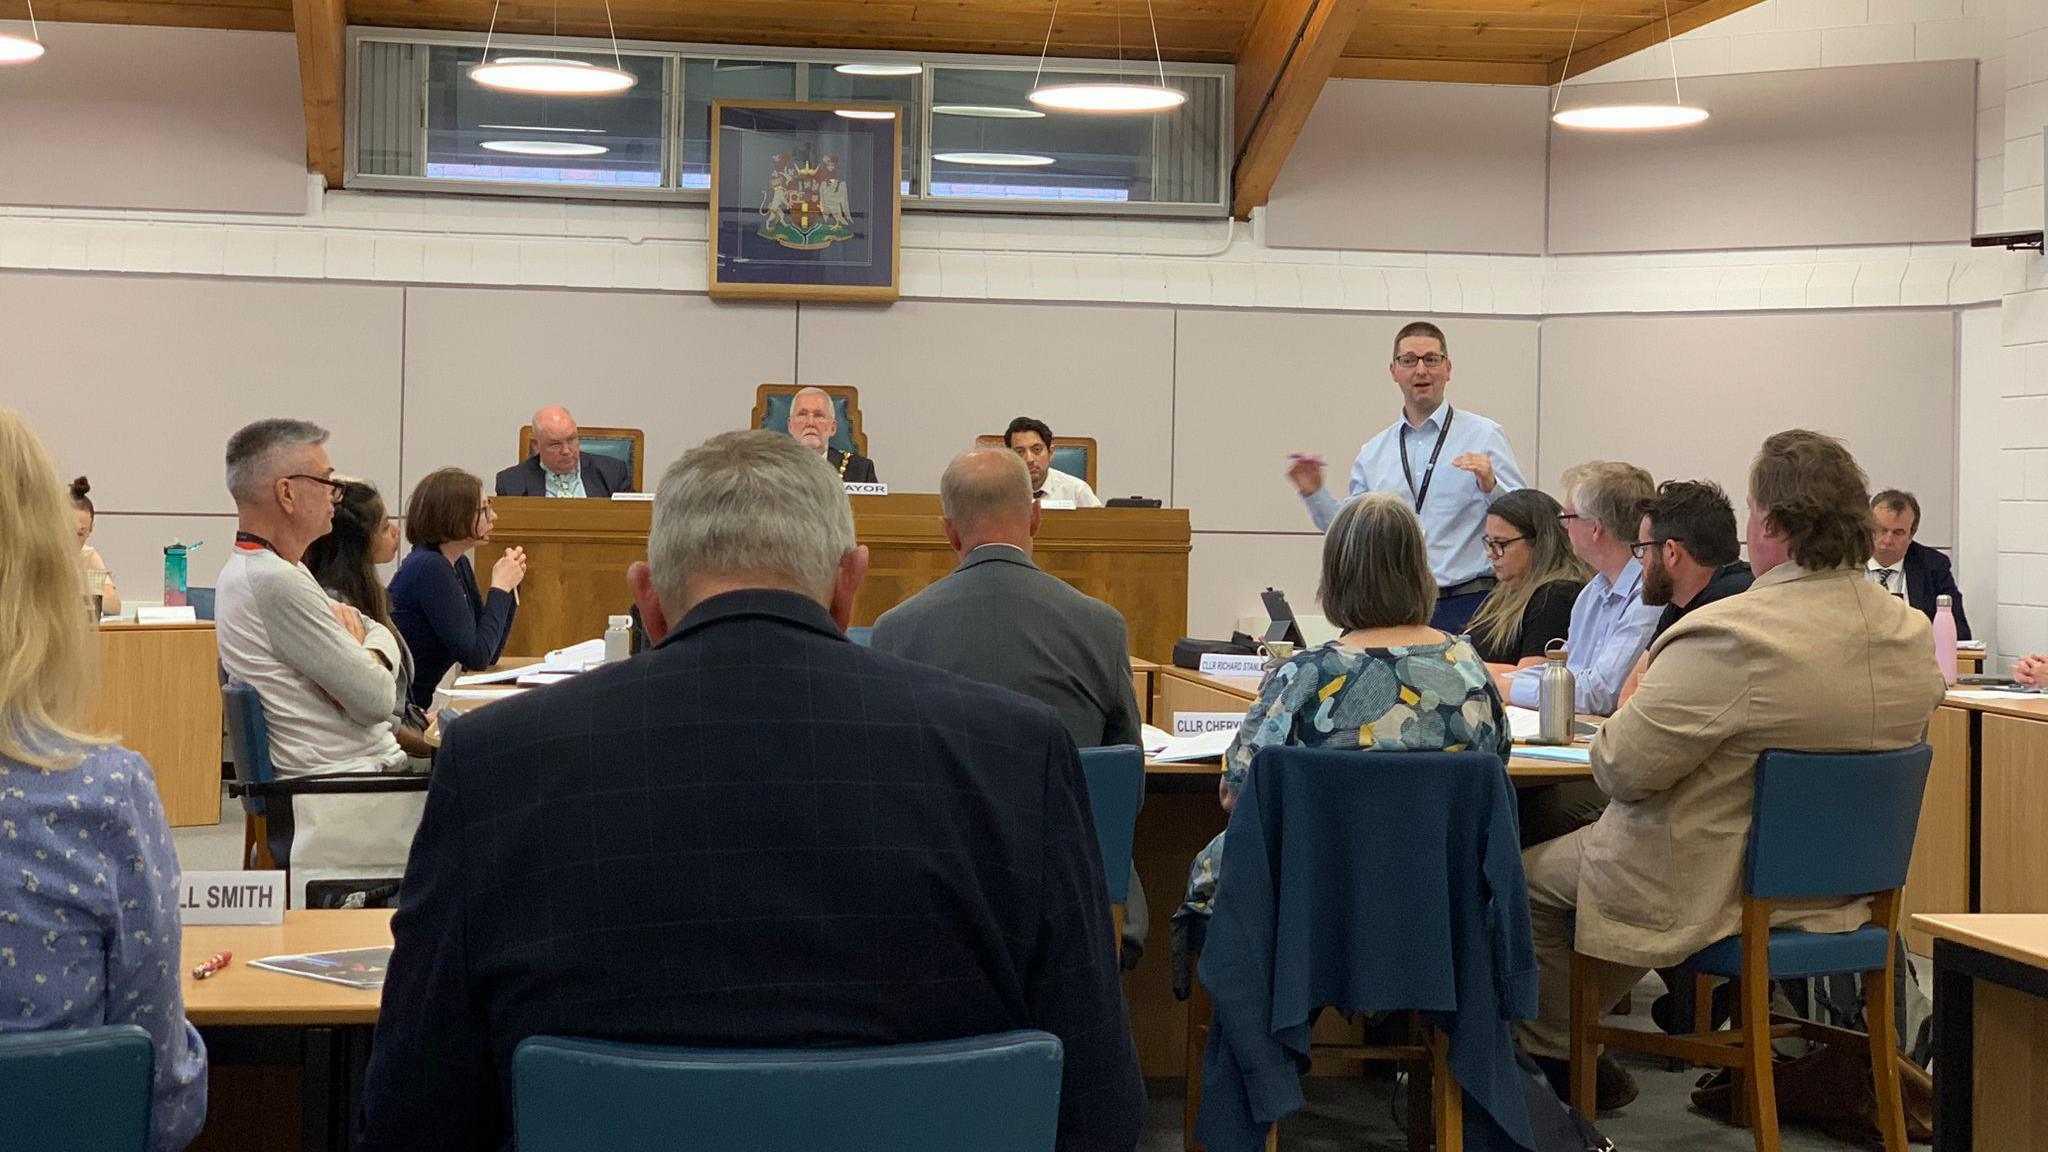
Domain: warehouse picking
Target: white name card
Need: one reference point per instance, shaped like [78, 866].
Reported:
[1058, 505]
[853, 489]
[231, 898]
[640, 496]
[1225, 664]
[1196, 723]
[161, 615]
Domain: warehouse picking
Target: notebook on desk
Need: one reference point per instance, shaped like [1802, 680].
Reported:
[351, 967]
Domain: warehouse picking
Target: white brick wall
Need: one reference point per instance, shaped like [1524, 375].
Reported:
[2023, 327]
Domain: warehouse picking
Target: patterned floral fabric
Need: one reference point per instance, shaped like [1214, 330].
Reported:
[1415, 698]
[89, 930]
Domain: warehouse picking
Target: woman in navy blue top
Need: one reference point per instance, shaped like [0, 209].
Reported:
[434, 598]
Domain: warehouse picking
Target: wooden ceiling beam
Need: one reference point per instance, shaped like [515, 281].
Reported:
[1288, 54]
[1649, 35]
[322, 29]
[1441, 71]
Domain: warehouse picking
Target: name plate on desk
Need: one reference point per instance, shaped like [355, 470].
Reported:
[1225, 664]
[1057, 505]
[158, 615]
[1196, 723]
[853, 489]
[231, 898]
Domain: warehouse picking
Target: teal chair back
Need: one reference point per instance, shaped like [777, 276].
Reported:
[776, 419]
[1071, 459]
[861, 634]
[81, 1089]
[619, 448]
[1116, 786]
[248, 739]
[997, 1093]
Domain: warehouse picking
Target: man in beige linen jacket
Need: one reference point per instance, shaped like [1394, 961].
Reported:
[1813, 657]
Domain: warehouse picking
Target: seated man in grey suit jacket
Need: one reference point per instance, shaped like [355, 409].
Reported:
[558, 466]
[1000, 619]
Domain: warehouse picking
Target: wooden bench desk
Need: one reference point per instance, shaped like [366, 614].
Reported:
[160, 693]
[1991, 1031]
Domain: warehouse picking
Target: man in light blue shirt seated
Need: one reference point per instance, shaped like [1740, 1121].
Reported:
[1611, 626]
[1450, 501]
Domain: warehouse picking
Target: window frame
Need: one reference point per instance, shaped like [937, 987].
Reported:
[674, 55]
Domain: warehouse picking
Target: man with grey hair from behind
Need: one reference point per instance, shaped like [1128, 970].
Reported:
[322, 669]
[1000, 619]
[763, 835]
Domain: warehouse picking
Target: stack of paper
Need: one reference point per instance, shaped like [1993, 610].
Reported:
[1207, 746]
[555, 666]
[1153, 739]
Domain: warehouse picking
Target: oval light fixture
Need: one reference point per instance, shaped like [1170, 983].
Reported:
[864, 113]
[551, 76]
[1108, 97]
[1630, 117]
[995, 159]
[18, 49]
[988, 111]
[879, 69]
[543, 128]
[543, 148]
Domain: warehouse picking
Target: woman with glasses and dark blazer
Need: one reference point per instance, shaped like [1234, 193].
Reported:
[434, 597]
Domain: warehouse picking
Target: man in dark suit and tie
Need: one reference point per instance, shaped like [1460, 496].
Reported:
[813, 421]
[756, 835]
[1911, 571]
[558, 466]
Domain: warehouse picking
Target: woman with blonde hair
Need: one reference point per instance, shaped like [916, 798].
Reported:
[1539, 579]
[89, 919]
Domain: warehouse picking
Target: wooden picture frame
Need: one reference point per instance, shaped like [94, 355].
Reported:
[785, 223]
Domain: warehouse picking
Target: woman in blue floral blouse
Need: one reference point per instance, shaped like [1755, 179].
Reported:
[1390, 683]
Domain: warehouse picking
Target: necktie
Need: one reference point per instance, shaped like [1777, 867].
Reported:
[1884, 578]
[1038, 495]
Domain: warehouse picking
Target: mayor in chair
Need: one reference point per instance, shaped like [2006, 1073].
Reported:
[560, 467]
[813, 423]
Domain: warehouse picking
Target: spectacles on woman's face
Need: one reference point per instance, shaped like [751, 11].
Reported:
[486, 512]
[1497, 546]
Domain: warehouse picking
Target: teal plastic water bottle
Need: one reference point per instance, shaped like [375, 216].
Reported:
[174, 573]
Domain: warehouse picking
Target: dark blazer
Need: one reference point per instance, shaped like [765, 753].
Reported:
[445, 620]
[1730, 579]
[1000, 619]
[1546, 617]
[859, 469]
[1929, 573]
[602, 476]
[756, 835]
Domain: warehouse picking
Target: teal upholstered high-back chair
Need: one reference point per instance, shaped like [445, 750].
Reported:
[772, 403]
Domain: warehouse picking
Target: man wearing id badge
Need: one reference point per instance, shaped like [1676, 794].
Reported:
[1404, 459]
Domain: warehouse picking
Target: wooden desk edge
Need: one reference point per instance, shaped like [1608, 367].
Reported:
[1982, 932]
[137, 626]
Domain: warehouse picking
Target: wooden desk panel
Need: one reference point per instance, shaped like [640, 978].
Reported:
[2002, 1046]
[1135, 559]
[160, 693]
[242, 995]
[2014, 811]
[1938, 881]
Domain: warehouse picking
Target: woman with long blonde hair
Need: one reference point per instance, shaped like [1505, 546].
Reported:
[89, 915]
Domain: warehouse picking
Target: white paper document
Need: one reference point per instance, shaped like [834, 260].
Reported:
[1524, 723]
[543, 679]
[1207, 746]
[1993, 695]
[1152, 739]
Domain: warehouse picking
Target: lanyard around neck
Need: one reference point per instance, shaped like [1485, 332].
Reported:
[1429, 472]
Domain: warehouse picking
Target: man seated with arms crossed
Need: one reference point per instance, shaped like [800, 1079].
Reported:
[1610, 623]
[813, 421]
[558, 466]
[1906, 568]
[1031, 440]
[1002, 620]
[756, 835]
[1812, 657]
[323, 669]
[1689, 553]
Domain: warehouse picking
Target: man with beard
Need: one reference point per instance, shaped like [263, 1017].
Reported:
[813, 423]
[1688, 548]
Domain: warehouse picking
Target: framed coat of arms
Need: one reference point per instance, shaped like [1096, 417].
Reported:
[806, 200]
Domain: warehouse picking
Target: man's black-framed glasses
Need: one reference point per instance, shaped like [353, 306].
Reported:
[1641, 548]
[1429, 360]
[335, 488]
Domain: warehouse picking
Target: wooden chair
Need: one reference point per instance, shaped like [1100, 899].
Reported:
[626, 445]
[1074, 455]
[771, 411]
[1802, 845]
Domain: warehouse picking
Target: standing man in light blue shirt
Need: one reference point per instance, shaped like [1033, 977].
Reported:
[1451, 502]
[1611, 626]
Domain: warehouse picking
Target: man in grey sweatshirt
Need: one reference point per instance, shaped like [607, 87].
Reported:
[324, 671]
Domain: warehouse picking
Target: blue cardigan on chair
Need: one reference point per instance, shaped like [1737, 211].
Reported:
[444, 620]
[1367, 882]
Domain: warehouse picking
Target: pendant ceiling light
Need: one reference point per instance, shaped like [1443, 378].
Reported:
[988, 111]
[1626, 117]
[544, 147]
[879, 69]
[864, 113]
[552, 75]
[22, 49]
[1107, 96]
[994, 159]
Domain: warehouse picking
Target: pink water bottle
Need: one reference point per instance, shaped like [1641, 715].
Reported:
[1945, 638]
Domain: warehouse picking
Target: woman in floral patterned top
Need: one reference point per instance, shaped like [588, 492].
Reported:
[1390, 683]
[88, 874]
